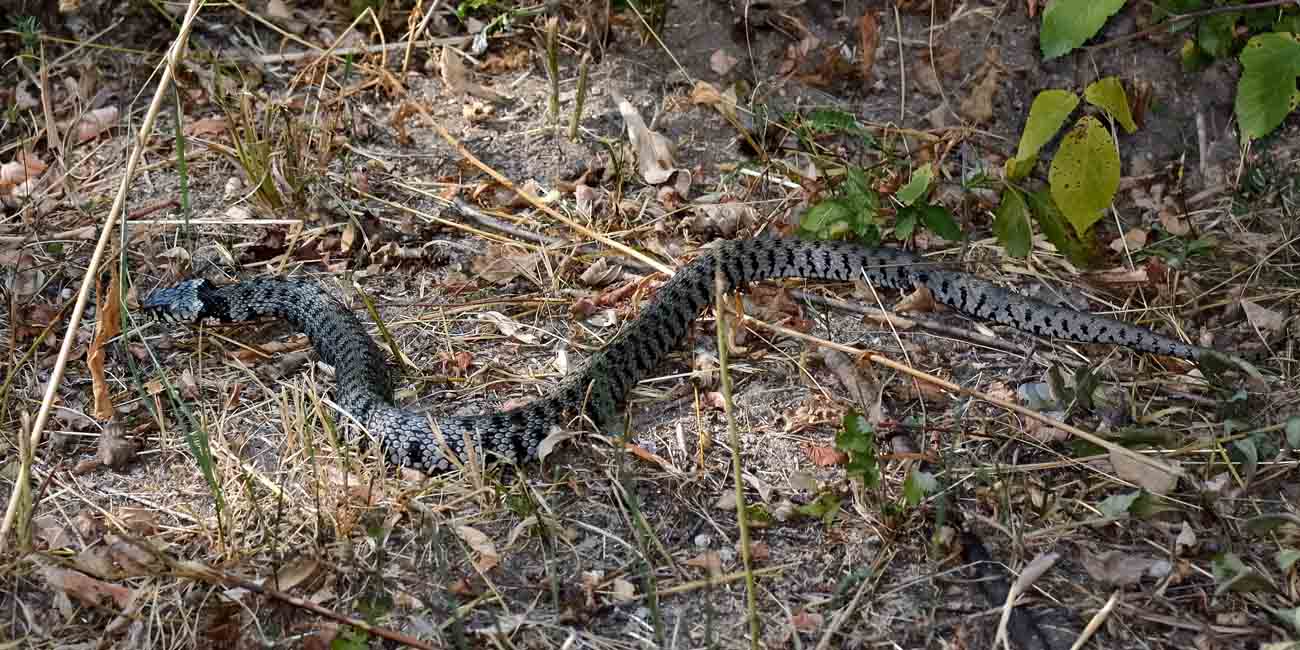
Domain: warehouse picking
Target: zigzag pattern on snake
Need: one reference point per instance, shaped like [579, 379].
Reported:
[364, 386]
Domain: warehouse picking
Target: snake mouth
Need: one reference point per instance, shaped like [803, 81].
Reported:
[182, 303]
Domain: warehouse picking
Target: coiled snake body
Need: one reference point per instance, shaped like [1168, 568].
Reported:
[601, 384]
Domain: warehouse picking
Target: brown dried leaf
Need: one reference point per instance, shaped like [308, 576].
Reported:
[108, 322]
[1262, 318]
[806, 621]
[95, 122]
[600, 273]
[708, 560]
[978, 106]
[87, 590]
[654, 152]
[502, 264]
[868, 41]
[825, 456]
[1156, 481]
[1117, 568]
[482, 545]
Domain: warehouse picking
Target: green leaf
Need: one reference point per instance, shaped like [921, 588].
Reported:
[1286, 558]
[919, 485]
[1117, 505]
[825, 507]
[1232, 574]
[1011, 223]
[905, 225]
[1108, 95]
[820, 218]
[1290, 617]
[1194, 59]
[1085, 174]
[1293, 432]
[1046, 115]
[1266, 92]
[857, 438]
[917, 186]
[1249, 456]
[1215, 34]
[1050, 219]
[1068, 23]
[939, 219]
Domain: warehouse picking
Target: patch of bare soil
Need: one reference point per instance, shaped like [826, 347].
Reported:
[198, 488]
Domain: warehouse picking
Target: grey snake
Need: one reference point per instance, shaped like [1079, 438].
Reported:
[600, 386]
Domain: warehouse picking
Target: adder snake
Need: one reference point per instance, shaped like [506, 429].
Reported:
[364, 388]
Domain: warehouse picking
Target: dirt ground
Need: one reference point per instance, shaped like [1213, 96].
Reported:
[242, 515]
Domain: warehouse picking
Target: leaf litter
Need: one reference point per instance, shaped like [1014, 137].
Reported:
[279, 444]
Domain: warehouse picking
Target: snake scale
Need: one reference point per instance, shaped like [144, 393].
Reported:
[364, 386]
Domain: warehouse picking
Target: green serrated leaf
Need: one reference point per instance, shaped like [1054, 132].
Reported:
[917, 186]
[1085, 174]
[857, 438]
[1266, 92]
[1068, 23]
[1011, 223]
[1046, 115]
[1108, 95]
[939, 220]
[919, 485]
[1118, 505]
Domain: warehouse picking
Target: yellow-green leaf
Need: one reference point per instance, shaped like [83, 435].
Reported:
[1085, 173]
[1108, 95]
[1046, 115]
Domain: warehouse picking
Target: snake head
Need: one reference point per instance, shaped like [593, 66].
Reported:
[181, 303]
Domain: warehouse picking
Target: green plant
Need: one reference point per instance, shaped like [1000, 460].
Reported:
[1083, 178]
[1263, 35]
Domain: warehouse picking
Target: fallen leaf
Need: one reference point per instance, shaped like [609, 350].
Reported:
[823, 456]
[1133, 240]
[1154, 480]
[508, 326]
[600, 273]
[502, 264]
[89, 591]
[868, 41]
[482, 545]
[654, 155]
[108, 322]
[806, 621]
[708, 560]
[721, 62]
[1117, 568]
[623, 590]
[978, 106]
[457, 80]
[1262, 318]
[95, 122]
[294, 573]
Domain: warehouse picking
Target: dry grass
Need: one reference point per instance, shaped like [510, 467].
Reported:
[226, 503]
